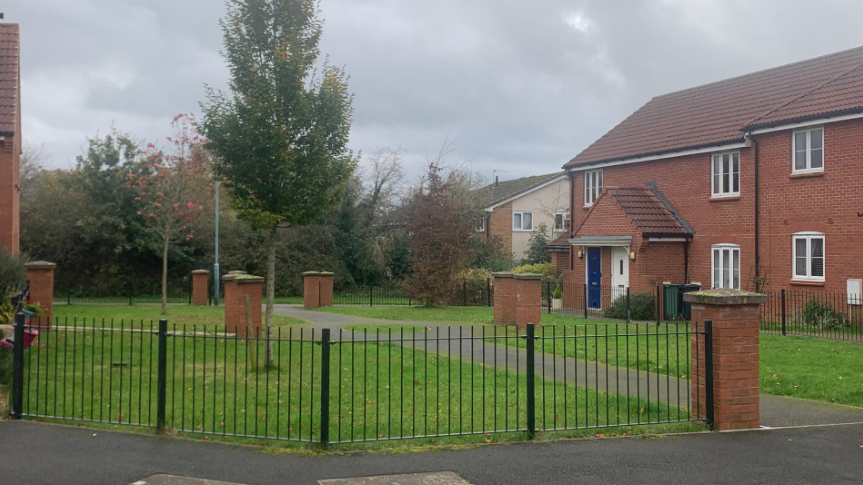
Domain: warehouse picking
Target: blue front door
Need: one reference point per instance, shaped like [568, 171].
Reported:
[594, 278]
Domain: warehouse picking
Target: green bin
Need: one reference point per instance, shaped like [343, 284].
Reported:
[672, 302]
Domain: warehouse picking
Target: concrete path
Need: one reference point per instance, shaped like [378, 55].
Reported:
[33, 453]
[475, 343]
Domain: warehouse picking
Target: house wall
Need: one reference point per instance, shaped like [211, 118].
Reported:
[828, 203]
[543, 203]
[499, 224]
[10, 153]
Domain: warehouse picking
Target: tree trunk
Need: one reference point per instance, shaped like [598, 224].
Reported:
[165, 245]
[271, 290]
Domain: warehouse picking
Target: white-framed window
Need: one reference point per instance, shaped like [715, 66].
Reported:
[808, 256]
[522, 221]
[561, 222]
[592, 186]
[479, 224]
[725, 171]
[726, 266]
[808, 150]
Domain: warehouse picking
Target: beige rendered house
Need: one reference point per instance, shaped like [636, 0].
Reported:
[514, 209]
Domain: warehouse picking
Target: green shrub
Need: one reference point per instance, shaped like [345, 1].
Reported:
[641, 307]
[822, 316]
[558, 293]
[7, 311]
[544, 269]
[13, 275]
[475, 275]
[5, 363]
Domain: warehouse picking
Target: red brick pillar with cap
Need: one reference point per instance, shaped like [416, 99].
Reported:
[253, 287]
[200, 292]
[325, 293]
[735, 317]
[505, 298]
[232, 302]
[311, 289]
[40, 274]
[528, 309]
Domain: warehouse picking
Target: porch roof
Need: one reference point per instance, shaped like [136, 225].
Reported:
[646, 207]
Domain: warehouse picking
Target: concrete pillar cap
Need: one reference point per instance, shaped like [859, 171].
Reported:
[503, 274]
[528, 276]
[725, 296]
[247, 278]
[200, 271]
[312, 273]
[327, 273]
[40, 265]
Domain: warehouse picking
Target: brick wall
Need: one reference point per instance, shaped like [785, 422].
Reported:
[10, 153]
[560, 261]
[499, 224]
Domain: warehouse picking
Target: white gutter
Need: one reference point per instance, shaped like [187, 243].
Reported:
[803, 124]
[683, 153]
[522, 194]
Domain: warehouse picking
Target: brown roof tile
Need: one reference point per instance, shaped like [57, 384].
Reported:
[10, 96]
[561, 241]
[717, 113]
[647, 211]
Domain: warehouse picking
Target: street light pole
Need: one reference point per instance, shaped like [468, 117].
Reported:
[216, 266]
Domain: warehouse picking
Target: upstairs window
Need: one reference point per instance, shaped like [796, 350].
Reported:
[808, 151]
[809, 256]
[726, 174]
[592, 186]
[726, 266]
[522, 221]
[479, 224]
[561, 222]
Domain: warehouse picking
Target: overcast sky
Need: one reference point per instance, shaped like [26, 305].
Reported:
[523, 86]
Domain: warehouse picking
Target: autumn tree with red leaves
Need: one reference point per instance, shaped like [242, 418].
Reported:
[439, 240]
[172, 191]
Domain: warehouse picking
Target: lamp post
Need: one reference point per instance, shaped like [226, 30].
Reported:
[216, 265]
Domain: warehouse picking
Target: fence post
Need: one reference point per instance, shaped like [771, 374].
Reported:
[783, 312]
[130, 292]
[325, 387]
[628, 307]
[190, 288]
[18, 367]
[488, 290]
[464, 292]
[658, 305]
[161, 383]
[531, 391]
[708, 371]
[585, 302]
[371, 295]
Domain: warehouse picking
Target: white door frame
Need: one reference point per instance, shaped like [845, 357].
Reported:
[618, 255]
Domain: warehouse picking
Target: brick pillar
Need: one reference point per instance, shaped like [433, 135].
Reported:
[505, 298]
[326, 289]
[232, 303]
[528, 308]
[572, 292]
[735, 316]
[200, 292]
[311, 289]
[253, 286]
[40, 274]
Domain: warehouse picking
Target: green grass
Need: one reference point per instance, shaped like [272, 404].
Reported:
[812, 368]
[187, 316]
[418, 313]
[386, 329]
[378, 390]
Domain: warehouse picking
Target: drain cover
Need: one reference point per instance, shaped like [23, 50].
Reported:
[441, 478]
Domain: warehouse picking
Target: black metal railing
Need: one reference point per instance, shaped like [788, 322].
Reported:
[466, 293]
[326, 387]
[131, 293]
[819, 314]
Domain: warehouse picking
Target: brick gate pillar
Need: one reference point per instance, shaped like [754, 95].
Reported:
[505, 298]
[311, 289]
[736, 319]
[232, 302]
[325, 293]
[40, 274]
[253, 286]
[528, 309]
[200, 292]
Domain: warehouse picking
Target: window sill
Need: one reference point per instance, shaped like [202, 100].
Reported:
[522, 230]
[804, 175]
[725, 198]
[807, 283]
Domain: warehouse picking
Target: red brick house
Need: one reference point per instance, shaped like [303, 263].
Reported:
[754, 182]
[10, 136]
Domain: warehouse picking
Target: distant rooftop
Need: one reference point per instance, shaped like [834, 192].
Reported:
[495, 193]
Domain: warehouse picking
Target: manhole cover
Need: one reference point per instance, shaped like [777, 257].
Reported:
[172, 480]
[441, 478]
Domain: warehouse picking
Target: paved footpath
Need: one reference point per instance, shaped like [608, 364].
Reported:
[33, 453]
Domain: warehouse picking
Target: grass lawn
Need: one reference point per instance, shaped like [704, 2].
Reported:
[378, 390]
[812, 368]
[149, 315]
[386, 329]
